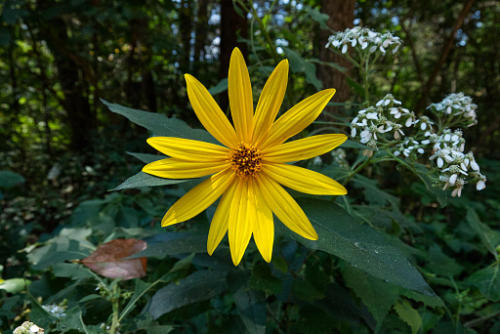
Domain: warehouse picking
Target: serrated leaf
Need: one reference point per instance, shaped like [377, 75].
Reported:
[159, 124]
[430, 301]
[373, 194]
[487, 280]
[377, 295]
[409, 315]
[199, 286]
[141, 180]
[361, 246]
[490, 238]
[299, 64]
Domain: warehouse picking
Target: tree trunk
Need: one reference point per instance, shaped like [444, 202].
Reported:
[81, 119]
[232, 25]
[341, 16]
[185, 29]
[201, 31]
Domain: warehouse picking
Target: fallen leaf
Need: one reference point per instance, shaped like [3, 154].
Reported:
[110, 259]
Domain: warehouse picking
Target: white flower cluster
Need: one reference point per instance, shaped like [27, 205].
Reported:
[56, 310]
[456, 107]
[28, 327]
[455, 166]
[387, 116]
[411, 145]
[364, 39]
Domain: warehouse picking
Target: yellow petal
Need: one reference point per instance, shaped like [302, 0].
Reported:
[189, 149]
[219, 225]
[240, 96]
[285, 207]
[241, 220]
[270, 101]
[303, 180]
[298, 117]
[172, 168]
[209, 112]
[199, 198]
[263, 231]
[302, 149]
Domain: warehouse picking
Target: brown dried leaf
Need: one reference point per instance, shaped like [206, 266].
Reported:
[108, 260]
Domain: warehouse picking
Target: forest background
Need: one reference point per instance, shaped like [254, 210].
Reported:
[63, 161]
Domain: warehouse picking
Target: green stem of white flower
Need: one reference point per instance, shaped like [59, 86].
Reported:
[115, 304]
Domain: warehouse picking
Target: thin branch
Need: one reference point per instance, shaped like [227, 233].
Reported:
[447, 46]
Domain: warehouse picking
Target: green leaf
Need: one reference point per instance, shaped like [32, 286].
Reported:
[252, 312]
[363, 247]
[317, 16]
[72, 321]
[174, 243]
[146, 157]
[14, 285]
[199, 286]
[409, 315]
[489, 237]
[430, 301]
[10, 179]
[141, 180]
[487, 280]
[299, 64]
[373, 194]
[219, 88]
[441, 264]
[159, 124]
[377, 295]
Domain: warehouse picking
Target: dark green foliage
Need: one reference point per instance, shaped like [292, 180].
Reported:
[397, 255]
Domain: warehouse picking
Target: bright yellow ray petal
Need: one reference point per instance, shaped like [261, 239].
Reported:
[241, 220]
[199, 198]
[172, 168]
[304, 148]
[189, 149]
[298, 117]
[303, 180]
[219, 225]
[270, 101]
[263, 231]
[240, 96]
[209, 112]
[285, 207]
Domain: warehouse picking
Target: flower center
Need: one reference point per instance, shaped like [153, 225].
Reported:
[246, 160]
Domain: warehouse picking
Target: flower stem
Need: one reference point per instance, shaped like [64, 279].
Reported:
[357, 170]
[115, 304]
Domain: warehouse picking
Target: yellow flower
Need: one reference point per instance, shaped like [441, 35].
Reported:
[250, 168]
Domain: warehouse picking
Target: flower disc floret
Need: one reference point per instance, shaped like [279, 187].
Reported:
[246, 160]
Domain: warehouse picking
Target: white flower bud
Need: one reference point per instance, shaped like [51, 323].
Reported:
[474, 165]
